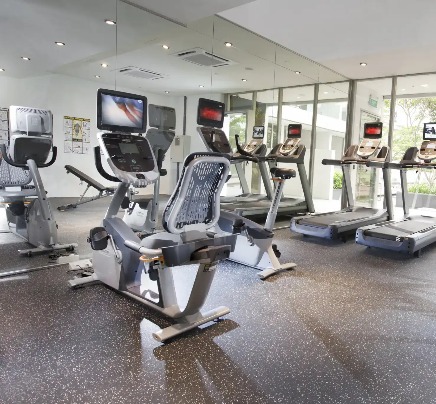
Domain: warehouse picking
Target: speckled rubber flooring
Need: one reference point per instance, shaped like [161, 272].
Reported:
[349, 325]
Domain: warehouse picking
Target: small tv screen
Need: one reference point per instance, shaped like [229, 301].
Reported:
[429, 132]
[373, 130]
[294, 131]
[210, 113]
[118, 111]
[258, 132]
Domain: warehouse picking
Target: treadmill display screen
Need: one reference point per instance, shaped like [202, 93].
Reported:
[258, 132]
[373, 130]
[123, 112]
[210, 113]
[294, 131]
[129, 148]
[429, 132]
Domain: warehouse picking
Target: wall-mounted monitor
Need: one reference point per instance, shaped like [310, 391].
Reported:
[210, 113]
[429, 132]
[294, 130]
[258, 132]
[161, 117]
[373, 130]
[121, 112]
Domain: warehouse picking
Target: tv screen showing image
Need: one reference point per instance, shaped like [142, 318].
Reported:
[210, 113]
[258, 132]
[294, 130]
[429, 131]
[118, 111]
[373, 130]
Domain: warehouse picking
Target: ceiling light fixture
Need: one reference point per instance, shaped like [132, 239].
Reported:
[228, 44]
[110, 22]
[60, 43]
[167, 92]
[244, 79]
[403, 89]
[326, 92]
[97, 76]
[166, 47]
[104, 65]
[363, 64]
[25, 58]
[2, 70]
[297, 72]
[201, 86]
[424, 85]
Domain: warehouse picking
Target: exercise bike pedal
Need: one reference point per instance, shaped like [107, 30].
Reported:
[277, 252]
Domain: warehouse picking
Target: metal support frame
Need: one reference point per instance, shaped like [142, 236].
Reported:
[313, 136]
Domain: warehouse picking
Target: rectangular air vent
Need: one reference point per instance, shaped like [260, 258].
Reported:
[140, 73]
[201, 57]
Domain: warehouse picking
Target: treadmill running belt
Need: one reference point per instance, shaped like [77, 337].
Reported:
[335, 217]
[401, 229]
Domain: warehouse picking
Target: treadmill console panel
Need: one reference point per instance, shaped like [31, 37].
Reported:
[253, 146]
[427, 151]
[215, 140]
[289, 146]
[368, 148]
[130, 157]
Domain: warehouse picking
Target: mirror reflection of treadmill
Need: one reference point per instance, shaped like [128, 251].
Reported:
[333, 225]
[416, 231]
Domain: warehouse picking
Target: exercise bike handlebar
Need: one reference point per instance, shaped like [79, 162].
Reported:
[151, 252]
[99, 166]
[12, 163]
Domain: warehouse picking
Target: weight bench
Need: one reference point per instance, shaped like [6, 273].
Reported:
[90, 182]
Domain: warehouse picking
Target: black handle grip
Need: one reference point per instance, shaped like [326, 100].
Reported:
[53, 158]
[329, 162]
[8, 160]
[100, 168]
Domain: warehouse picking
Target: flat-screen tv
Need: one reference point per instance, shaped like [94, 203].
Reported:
[121, 112]
[429, 132]
[294, 130]
[210, 113]
[161, 117]
[258, 132]
[373, 130]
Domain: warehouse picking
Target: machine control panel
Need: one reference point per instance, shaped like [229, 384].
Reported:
[371, 142]
[289, 146]
[215, 140]
[130, 157]
[427, 151]
[253, 146]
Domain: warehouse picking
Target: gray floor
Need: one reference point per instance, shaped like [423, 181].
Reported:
[349, 325]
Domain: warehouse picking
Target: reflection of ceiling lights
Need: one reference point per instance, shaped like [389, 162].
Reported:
[97, 76]
[110, 22]
[25, 58]
[244, 79]
[228, 44]
[363, 64]
[297, 72]
[104, 65]
[167, 92]
[166, 47]
[201, 86]
[424, 85]
[60, 43]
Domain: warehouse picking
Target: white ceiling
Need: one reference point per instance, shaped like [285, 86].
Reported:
[392, 36]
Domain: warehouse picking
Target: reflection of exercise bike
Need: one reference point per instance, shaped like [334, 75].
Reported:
[28, 211]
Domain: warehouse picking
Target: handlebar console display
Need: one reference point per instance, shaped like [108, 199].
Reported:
[427, 151]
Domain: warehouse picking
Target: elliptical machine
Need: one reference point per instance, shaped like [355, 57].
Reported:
[142, 270]
[28, 211]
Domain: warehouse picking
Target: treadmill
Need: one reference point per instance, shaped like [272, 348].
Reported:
[416, 231]
[334, 225]
[211, 116]
[292, 151]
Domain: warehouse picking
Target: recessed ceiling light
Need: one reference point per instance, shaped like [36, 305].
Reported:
[25, 58]
[228, 44]
[201, 86]
[363, 64]
[97, 76]
[2, 70]
[60, 43]
[110, 22]
[403, 89]
[326, 92]
[298, 97]
[165, 47]
[244, 79]
[167, 92]
[297, 72]
[104, 65]
[424, 85]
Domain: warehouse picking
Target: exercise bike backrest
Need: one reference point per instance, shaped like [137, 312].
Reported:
[31, 137]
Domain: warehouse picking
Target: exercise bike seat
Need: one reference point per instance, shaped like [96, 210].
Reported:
[283, 173]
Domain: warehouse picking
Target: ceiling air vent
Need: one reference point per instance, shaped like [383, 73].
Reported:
[203, 58]
[140, 73]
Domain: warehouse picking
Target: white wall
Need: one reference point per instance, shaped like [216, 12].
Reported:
[65, 95]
